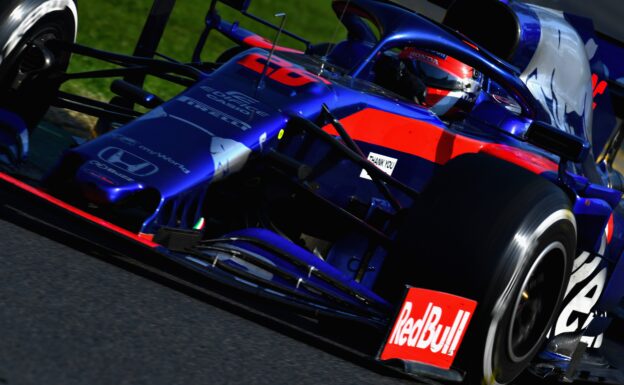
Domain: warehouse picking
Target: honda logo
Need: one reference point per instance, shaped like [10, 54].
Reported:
[127, 161]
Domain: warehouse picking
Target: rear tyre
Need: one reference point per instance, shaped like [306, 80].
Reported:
[28, 83]
[495, 233]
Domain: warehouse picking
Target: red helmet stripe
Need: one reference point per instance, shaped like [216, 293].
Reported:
[448, 64]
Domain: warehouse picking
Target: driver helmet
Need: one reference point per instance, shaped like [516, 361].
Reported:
[452, 86]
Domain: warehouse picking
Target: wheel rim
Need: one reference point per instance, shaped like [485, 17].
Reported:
[535, 302]
[28, 84]
[31, 57]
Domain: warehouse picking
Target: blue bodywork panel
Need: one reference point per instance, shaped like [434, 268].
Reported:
[238, 114]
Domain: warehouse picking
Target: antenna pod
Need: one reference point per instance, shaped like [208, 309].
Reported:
[282, 15]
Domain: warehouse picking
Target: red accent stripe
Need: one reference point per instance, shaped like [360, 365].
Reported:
[149, 237]
[430, 142]
[609, 229]
[471, 45]
[525, 159]
[598, 88]
[75, 211]
[261, 42]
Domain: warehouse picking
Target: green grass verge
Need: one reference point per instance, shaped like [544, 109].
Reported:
[116, 25]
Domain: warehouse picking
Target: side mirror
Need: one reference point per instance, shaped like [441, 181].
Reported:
[560, 143]
[240, 5]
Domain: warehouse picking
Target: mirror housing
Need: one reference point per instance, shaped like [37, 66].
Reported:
[560, 143]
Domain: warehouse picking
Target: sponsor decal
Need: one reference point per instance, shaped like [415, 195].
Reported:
[214, 112]
[429, 328]
[412, 53]
[127, 161]
[157, 154]
[384, 163]
[236, 101]
[587, 282]
[165, 158]
[159, 113]
[110, 170]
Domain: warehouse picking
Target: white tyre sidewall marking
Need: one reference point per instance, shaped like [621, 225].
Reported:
[32, 18]
[546, 251]
[501, 304]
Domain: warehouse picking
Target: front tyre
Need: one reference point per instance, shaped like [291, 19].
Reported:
[28, 81]
[495, 233]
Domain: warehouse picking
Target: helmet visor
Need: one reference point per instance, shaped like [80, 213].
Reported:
[434, 76]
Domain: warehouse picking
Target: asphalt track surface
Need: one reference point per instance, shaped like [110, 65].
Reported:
[74, 314]
[67, 317]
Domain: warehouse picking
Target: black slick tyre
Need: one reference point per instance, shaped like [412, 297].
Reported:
[493, 232]
[28, 84]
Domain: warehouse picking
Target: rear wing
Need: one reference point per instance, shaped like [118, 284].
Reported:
[608, 89]
[605, 58]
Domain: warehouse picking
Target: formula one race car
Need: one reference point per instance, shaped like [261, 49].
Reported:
[452, 188]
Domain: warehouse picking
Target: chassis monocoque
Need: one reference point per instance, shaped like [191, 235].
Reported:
[474, 248]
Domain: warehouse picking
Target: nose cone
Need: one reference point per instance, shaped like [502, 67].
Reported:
[103, 183]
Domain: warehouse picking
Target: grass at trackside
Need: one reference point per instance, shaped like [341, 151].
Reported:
[116, 25]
